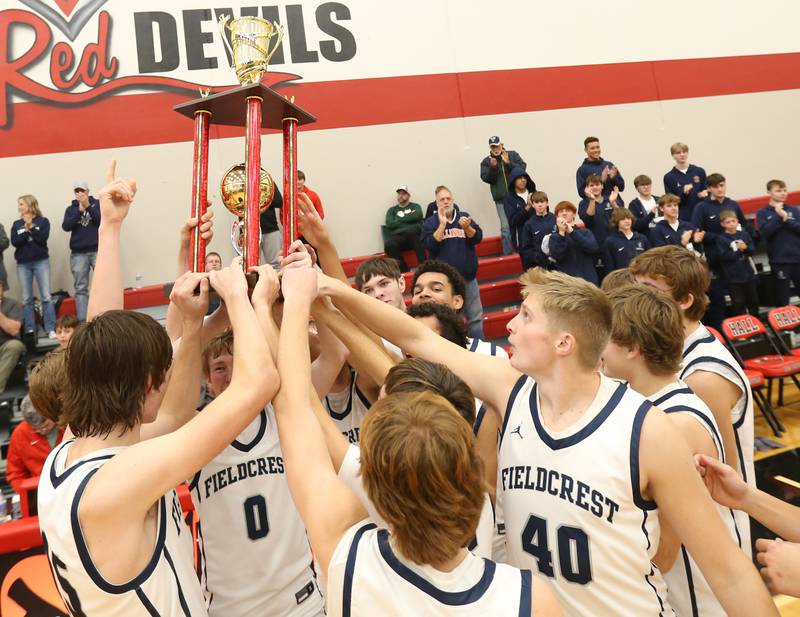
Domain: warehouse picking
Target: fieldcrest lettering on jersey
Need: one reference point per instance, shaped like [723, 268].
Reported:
[561, 485]
[260, 466]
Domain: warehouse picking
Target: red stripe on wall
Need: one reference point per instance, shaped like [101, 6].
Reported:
[143, 119]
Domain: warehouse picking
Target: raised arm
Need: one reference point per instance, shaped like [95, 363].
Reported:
[115, 201]
[314, 230]
[126, 487]
[490, 378]
[328, 508]
[669, 477]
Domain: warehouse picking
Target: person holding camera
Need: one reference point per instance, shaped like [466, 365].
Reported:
[495, 172]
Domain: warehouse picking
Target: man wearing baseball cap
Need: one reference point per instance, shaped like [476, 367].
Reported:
[402, 229]
[494, 172]
[82, 220]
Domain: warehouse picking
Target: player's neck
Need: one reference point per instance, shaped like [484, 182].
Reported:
[690, 326]
[566, 394]
[647, 383]
[450, 564]
[117, 437]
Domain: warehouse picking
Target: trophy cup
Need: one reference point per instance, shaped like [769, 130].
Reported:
[247, 190]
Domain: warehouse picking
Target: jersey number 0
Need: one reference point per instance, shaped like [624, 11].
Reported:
[255, 516]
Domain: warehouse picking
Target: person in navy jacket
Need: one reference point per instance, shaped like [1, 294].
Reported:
[623, 244]
[595, 209]
[779, 225]
[82, 220]
[29, 235]
[735, 248]
[645, 206]
[541, 223]
[671, 230]
[515, 203]
[572, 249]
[596, 165]
[685, 180]
[451, 236]
[706, 217]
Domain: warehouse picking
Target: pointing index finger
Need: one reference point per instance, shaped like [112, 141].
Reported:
[111, 172]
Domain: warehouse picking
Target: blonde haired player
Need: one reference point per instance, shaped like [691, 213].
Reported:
[587, 464]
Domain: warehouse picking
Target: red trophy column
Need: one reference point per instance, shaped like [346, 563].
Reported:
[253, 187]
[289, 214]
[197, 245]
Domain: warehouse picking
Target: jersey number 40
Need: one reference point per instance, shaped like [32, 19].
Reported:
[573, 550]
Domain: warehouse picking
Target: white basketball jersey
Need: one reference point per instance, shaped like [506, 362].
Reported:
[349, 473]
[487, 348]
[168, 585]
[368, 578]
[703, 352]
[254, 549]
[572, 503]
[347, 409]
[688, 591]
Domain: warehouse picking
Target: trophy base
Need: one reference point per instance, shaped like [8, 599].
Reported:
[229, 108]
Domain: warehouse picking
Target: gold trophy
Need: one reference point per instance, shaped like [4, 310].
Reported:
[232, 191]
[246, 189]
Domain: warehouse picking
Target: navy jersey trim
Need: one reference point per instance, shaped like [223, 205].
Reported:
[479, 420]
[361, 396]
[509, 406]
[736, 528]
[350, 567]
[55, 479]
[181, 598]
[193, 485]
[262, 428]
[525, 594]
[86, 558]
[706, 339]
[450, 598]
[586, 431]
[669, 395]
[742, 382]
[707, 421]
[341, 415]
[740, 454]
[655, 591]
[146, 603]
[636, 434]
[687, 566]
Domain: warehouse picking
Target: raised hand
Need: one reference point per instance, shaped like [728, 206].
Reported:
[781, 561]
[722, 482]
[311, 225]
[192, 307]
[116, 196]
[298, 256]
[229, 282]
[267, 289]
[699, 235]
[686, 237]
[465, 221]
[299, 284]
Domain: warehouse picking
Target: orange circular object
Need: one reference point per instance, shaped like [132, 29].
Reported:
[232, 189]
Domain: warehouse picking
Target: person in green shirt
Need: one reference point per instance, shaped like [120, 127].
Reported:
[402, 229]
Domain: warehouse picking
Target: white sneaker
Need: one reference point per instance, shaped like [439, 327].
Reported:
[52, 335]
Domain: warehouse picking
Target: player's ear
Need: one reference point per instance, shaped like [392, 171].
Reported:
[458, 302]
[566, 344]
[686, 302]
[401, 283]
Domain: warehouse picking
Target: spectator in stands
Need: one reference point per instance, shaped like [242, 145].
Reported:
[379, 277]
[705, 216]
[671, 230]
[495, 170]
[736, 252]
[213, 261]
[685, 180]
[779, 225]
[11, 347]
[31, 442]
[272, 232]
[403, 226]
[623, 244]
[29, 236]
[65, 326]
[451, 236]
[312, 195]
[596, 165]
[645, 206]
[82, 220]
[572, 249]
[595, 209]
[517, 208]
[541, 223]
[4, 243]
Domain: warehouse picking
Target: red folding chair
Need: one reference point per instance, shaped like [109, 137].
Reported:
[784, 319]
[757, 382]
[775, 366]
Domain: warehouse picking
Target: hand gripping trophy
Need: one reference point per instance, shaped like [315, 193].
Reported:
[247, 190]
